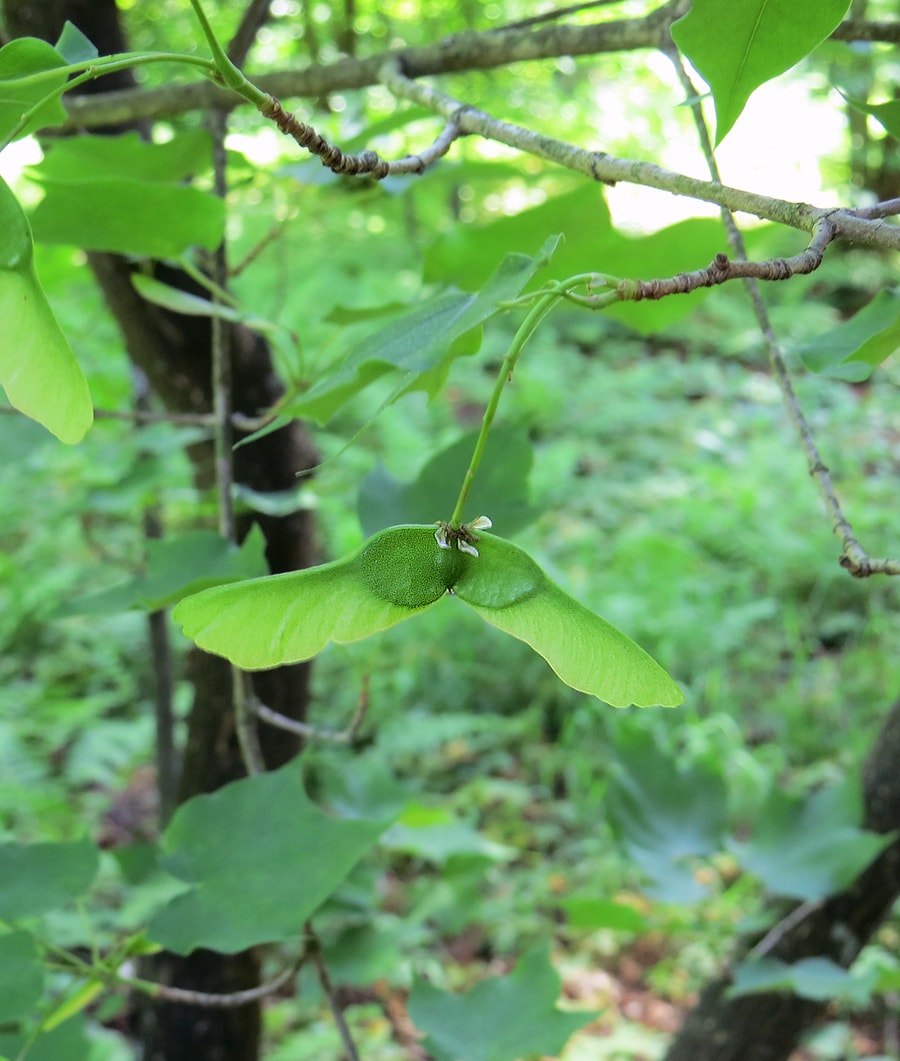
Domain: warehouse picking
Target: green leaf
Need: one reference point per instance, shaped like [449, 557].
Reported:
[886, 114]
[422, 342]
[35, 878]
[851, 350]
[501, 486]
[73, 46]
[812, 848]
[21, 976]
[739, 45]
[126, 215]
[67, 1041]
[127, 155]
[501, 1019]
[176, 568]
[22, 58]
[402, 570]
[591, 913]
[509, 591]
[814, 978]
[434, 834]
[38, 369]
[259, 857]
[665, 816]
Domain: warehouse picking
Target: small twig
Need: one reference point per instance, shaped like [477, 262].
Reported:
[365, 164]
[248, 738]
[314, 952]
[210, 1001]
[722, 269]
[886, 208]
[777, 933]
[303, 729]
[553, 16]
[853, 557]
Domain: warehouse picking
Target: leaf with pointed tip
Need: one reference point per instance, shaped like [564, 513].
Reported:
[852, 350]
[508, 590]
[402, 570]
[38, 369]
[739, 45]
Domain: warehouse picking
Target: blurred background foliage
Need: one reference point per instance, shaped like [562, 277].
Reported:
[669, 492]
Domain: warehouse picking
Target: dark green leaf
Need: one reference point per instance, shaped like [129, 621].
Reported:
[738, 45]
[177, 567]
[259, 857]
[501, 487]
[502, 1019]
[35, 878]
[814, 978]
[23, 58]
[21, 976]
[665, 817]
[73, 46]
[851, 350]
[808, 849]
[67, 1041]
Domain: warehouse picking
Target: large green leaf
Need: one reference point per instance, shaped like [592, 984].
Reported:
[401, 571]
[38, 369]
[853, 349]
[421, 343]
[22, 58]
[35, 878]
[501, 1019]
[501, 486]
[93, 157]
[126, 215]
[259, 857]
[21, 976]
[808, 849]
[737, 45]
[665, 816]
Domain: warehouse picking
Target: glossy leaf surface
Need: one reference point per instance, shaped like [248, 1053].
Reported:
[38, 369]
[740, 44]
[20, 59]
[259, 857]
[402, 570]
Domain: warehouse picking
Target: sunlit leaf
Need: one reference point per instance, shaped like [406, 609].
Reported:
[401, 571]
[21, 976]
[739, 45]
[127, 155]
[38, 369]
[22, 58]
[886, 114]
[852, 349]
[259, 857]
[35, 878]
[591, 913]
[504, 1018]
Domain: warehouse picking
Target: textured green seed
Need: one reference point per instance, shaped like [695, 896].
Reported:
[406, 566]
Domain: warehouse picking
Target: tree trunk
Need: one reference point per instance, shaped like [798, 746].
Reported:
[768, 1026]
[174, 353]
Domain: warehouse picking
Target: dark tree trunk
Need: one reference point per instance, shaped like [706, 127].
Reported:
[173, 352]
[768, 1026]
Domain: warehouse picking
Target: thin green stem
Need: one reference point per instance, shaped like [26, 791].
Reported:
[230, 74]
[547, 299]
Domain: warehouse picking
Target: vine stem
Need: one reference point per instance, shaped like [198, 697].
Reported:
[527, 328]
